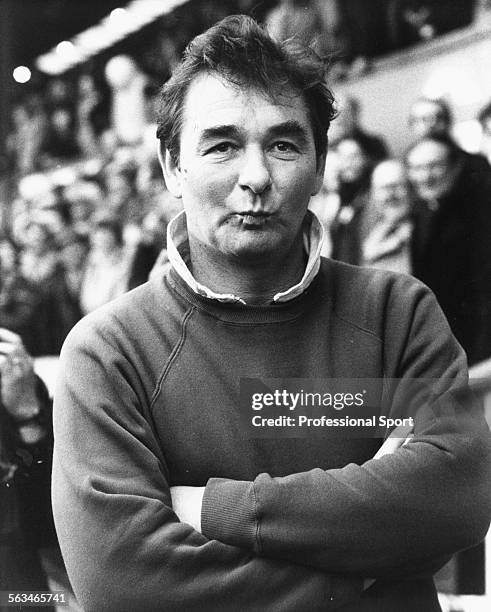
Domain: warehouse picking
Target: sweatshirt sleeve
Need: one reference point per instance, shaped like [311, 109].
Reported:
[387, 517]
[123, 545]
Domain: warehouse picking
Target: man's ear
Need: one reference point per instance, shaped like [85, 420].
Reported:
[172, 173]
[319, 174]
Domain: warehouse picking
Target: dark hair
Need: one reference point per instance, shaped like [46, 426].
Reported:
[484, 114]
[242, 52]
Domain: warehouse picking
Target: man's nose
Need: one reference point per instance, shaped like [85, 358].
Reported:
[255, 172]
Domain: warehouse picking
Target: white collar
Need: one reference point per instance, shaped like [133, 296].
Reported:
[178, 253]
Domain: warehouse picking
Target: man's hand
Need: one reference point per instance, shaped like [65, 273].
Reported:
[186, 503]
[400, 436]
[18, 386]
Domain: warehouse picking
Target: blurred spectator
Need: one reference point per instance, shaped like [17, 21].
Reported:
[315, 22]
[108, 265]
[348, 125]
[485, 121]
[127, 83]
[327, 202]
[412, 21]
[387, 245]
[39, 257]
[123, 198]
[20, 301]
[41, 266]
[60, 143]
[451, 246]
[74, 258]
[28, 130]
[85, 198]
[91, 117]
[430, 117]
[26, 522]
[353, 220]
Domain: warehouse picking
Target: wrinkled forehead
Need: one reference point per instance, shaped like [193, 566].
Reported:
[210, 95]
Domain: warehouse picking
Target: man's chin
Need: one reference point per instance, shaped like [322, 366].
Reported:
[256, 249]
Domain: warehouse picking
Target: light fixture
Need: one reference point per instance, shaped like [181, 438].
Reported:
[21, 74]
[117, 25]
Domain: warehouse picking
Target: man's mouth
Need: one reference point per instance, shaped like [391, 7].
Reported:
[254, 219]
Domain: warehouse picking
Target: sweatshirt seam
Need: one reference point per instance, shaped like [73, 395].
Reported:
[174, 353]
[252, 322]
[358, 327]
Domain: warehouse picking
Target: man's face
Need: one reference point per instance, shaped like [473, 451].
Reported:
[247, 169]
[390, 190]
[430, 170]
[352, 161]
[427, 119]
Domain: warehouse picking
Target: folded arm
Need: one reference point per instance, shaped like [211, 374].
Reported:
[389, 516]
[124, 546]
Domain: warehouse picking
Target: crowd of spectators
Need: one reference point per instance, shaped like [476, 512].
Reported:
[88, 211]
[426, 214]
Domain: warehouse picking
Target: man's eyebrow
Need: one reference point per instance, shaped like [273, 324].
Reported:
[292, 129]
[218, 131]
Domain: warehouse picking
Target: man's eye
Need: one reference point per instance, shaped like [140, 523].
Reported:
[284, 147]
[222, 147]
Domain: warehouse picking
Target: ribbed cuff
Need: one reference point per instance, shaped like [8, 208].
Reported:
[228, 513]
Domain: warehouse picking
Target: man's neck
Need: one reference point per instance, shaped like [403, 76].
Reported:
[255, 282]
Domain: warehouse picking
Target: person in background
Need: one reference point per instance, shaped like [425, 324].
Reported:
[485, 121]
[21, 302]
[108, 264]
[26, 441]
[60, 142]
[348, 125]
[74, 258]
[39, 258]
[354, 218]
[433, 117]
[387, 245]
[25, 139]
[450, 240]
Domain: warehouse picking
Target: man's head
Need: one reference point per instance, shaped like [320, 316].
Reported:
[430, 118]
[433, 166]
[243, 125]
[241, 53]
[390, 189]
[354, 162]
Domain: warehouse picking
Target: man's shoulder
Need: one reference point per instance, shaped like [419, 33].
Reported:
[137, 317]
[347, 282]
[371, 299]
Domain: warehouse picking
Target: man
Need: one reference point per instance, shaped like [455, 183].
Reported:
[348, 125]
[387, 245]
[433, 117]
[25, 464]
[450, 242]
[149, 396]
[353, 220]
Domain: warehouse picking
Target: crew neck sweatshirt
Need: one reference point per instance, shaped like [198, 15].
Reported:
[148, 398]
